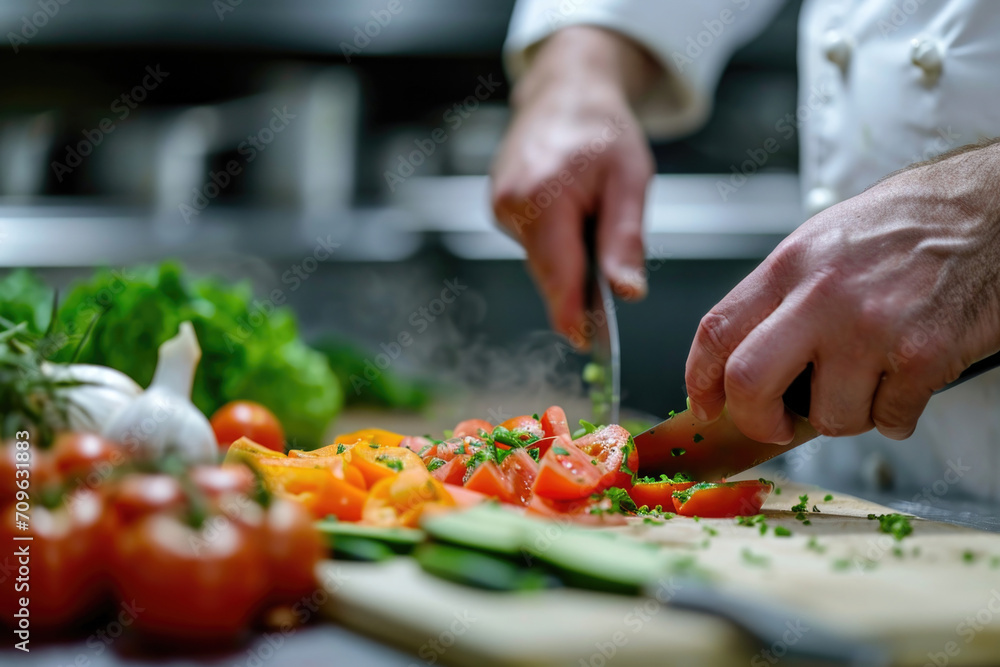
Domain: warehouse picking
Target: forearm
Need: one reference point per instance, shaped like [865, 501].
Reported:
[588, 60]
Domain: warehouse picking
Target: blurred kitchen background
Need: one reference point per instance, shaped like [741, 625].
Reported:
[118, 121]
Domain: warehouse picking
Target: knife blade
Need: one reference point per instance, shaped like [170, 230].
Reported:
[711, 451]
[605, 350]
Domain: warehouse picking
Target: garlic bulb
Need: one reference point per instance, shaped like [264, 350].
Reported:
[102, 393]
[162, 419]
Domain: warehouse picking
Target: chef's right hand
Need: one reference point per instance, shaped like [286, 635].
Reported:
[574, 148]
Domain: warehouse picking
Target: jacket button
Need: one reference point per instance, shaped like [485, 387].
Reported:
[926, 54]
[837, 48]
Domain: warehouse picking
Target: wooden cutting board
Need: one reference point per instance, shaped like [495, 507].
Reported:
[936, 607]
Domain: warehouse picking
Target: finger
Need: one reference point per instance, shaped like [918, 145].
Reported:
[899, 401]
[558, 263]
[619, 235]
[843, 391]
[759, 371]
[718, 334]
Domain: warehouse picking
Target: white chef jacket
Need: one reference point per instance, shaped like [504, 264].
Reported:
[883, 84]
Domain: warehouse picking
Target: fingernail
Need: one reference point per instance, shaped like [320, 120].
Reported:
[630, 282]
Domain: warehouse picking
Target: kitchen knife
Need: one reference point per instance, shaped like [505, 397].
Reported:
[682, 444]
[605, 383]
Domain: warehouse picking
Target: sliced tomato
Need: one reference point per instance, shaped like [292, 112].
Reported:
[464, 497]
[520, 469]
[525, 424]
[554, 422]
[609, 446]
[656, 493]
[723, 499]
[472, 427]
[489, 480]
[417, 444]
[452, 472]
[567, 473]
[585, 511]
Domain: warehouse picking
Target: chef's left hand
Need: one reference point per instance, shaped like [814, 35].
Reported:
[890, 294]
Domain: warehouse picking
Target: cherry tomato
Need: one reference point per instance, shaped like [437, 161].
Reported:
[216, 481]
[67, 584]
[247, 419]
[656, 493]
[197, 585]
[293, 548]
[520, 469]
[608, 446]
[567, 473]
[137, 495]
[554, 423]
[723, 499]
[85, 458]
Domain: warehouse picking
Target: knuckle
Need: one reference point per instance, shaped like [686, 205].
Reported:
[714, 334]
[742, 378]
[894, 418]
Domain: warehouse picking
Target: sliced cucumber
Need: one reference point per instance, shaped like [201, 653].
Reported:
[361, 548]
[475, 568]
[589, 560]
[489, 529]
[398, 540]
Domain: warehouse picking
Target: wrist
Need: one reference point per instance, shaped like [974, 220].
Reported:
[590, 61]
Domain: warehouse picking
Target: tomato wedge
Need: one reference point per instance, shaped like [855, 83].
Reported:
[567, 473]
[489, 480]
[659, 493]
[584, 511]
[520, 469]
[525, 424]
[554, 422]
[722, 499]
[609, 446]
[472, 427]
[452, 472]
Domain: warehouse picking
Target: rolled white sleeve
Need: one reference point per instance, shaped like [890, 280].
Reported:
[693, 39]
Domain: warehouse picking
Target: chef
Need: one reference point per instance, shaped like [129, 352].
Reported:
[892, 286]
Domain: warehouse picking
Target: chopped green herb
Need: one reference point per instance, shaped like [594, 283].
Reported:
[341, 449]
[896, 525]
[678, 451]
[803, 505]
[653, 522]
[670, 414]
[390, 462]
[756, 560]
[374, 445]
[814, 545]
[448, 433]
[534, 415]
[534, 453]
[679, 478]
[460, 449]
[781, 531]
[897, 552]
[815, 509]
[561, 451]
[621, 502]
[626, 453]
[434, 441]
[711, 531]
[968, 556]
[435, 463]
[995, 562]
[841, 564]
[423, 450]
[765, 481]
[698, 437]
[685, 494]
[593, 462]
[828, 497]
[514, 438]
[777, 490]
[588, 427]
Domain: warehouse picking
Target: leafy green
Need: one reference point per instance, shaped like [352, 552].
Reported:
[251, 350]
[363, 383]
[896, 525]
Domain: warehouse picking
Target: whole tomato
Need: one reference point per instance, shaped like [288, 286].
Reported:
[293, 548]
[85, 458]
[65, 581]
[201, 584]
[137, 495]
[245, 418]
[40, 471]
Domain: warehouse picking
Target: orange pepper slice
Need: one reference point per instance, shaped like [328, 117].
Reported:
[319, 489]
[247, 447]
[378, 463]
[399, 500]
[377, 436]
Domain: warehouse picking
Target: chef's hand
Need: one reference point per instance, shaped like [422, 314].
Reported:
[575, 148]
[891, 295]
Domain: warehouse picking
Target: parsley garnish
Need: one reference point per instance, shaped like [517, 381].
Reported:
[814, 545]
[678, 451]
[512, 438]
[621, 502]
[534, 453]
[341, 449]
[803, 504]
[781, 531]
[434, 464]
[561, 451]
[679, 478]
[424, 450]
[374, 445]
[896, 525]
[968, 556]
[390, 462]
[698, 437]
[750, 558]
[588, 427]
[828, 498]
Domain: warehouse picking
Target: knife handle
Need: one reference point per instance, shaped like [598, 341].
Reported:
[799, 393]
